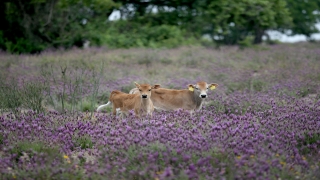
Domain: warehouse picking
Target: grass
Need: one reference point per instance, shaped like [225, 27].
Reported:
[261, 122]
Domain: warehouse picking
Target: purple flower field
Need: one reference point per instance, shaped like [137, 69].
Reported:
[262, 122]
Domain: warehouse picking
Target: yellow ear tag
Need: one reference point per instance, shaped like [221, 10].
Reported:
[191, 88]
[212, 87]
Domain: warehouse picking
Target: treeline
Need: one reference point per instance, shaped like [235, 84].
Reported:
[30, 26]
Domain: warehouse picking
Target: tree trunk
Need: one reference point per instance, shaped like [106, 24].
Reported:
[258, 36]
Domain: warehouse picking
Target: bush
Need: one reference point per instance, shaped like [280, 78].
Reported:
[29, 96]
[31, 148]
[83, 142]
[33, 95]
[23, 46]
[246, 42]
[87, 106]
[123, 34]
[10, 97]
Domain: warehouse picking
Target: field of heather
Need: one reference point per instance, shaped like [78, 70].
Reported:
[262, 122]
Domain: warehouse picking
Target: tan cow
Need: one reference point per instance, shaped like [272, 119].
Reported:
[140, 102]
[190, 99]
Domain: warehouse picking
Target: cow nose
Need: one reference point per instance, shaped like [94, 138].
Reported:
[203, 96]
[144, 96]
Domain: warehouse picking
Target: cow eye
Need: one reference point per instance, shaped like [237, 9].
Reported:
[197, 88]
[149, 89]
[140, 90]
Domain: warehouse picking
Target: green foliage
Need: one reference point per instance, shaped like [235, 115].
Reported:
[305, 15]
[246, 42]
[230, 22]
[237, 86]
[83, 142]
[306, 141]
[257, 85]
[137, 154]
[1, 139]
[10, 97]
[32, 26]
[166, 61]
[2, 40]
[31, 148]
[304, 91]
[123, 34]
[33, 95]
[27, 151]
[22, 45]
[30, 96]
[87, 106]
[35, 25]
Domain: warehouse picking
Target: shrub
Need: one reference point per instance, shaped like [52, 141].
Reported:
[87, 106]
[33, 95]
[118, 36]
[257, 85]
[83, 142]
[10, 97]
[31, 148]
[23, 46]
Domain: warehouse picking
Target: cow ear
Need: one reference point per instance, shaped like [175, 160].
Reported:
[213, 86]
[191, 87]
[137, 85]
[156, 86]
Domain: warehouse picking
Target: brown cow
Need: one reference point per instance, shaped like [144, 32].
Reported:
[140, 102]
[190, 99]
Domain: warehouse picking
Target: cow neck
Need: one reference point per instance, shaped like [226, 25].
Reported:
[198, 101]
[144, 102]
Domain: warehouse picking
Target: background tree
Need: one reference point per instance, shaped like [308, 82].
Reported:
[232, 21]
[305, 15]
[33, 25]
[225, 21]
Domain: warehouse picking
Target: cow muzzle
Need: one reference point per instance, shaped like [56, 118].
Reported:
[203, 95]
[144, 96]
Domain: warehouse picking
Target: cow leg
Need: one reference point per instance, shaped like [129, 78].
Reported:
[114, 110]
[124, 114]
[136, 112]
[191, 113]
[118, 111]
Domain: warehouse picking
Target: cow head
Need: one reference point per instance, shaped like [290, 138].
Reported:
[201, 88]
[145, 89]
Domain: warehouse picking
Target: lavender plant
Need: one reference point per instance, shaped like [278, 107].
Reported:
[261, 123]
